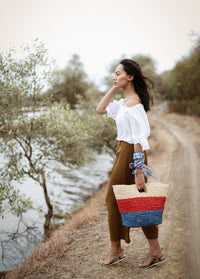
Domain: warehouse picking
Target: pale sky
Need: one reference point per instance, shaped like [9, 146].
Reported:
[102, 30]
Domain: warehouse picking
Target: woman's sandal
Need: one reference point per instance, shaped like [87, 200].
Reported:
[154, 262]
[117, 259]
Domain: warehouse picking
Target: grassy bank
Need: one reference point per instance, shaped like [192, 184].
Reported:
[62, 237]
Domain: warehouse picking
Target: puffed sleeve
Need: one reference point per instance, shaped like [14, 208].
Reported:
[113, 108]
[139, 126]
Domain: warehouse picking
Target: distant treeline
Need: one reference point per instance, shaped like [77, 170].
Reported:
[181, 85]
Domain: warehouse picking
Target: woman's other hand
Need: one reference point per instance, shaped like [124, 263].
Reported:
[140, 181]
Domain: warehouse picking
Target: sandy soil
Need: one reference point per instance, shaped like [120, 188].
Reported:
[76, 248]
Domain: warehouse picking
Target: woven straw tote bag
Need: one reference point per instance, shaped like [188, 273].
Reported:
[140, 209]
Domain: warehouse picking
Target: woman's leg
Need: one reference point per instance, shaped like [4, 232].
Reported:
[154, 254]
[115, 253]
[121, 174]
[151, 233]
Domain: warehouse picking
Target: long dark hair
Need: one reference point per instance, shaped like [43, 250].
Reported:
[141, 83]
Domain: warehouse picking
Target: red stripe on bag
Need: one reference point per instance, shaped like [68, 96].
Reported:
[141, 204]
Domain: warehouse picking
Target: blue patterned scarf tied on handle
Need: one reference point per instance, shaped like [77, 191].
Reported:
[138, 158]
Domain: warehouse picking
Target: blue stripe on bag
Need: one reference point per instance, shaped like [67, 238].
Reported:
[142, 219]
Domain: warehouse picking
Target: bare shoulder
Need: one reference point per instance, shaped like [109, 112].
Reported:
[131, 102]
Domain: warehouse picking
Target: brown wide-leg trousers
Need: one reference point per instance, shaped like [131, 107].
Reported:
[122, 174]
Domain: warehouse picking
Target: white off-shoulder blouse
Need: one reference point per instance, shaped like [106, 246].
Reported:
[132, 123]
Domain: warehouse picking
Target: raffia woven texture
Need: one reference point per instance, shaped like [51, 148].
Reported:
[155, 189]
[140, 209]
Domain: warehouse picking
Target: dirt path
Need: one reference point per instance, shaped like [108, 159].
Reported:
[175, 158]
[183, 172]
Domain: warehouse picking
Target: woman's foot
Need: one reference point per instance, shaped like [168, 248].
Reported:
[113, 257]
[154, 258]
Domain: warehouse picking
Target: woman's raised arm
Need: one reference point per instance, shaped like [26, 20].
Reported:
[101, 107]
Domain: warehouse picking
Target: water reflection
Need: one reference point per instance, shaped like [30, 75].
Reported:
[15, 244]
[68, 189]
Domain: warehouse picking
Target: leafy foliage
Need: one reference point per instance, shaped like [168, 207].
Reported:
[11, 199]
[102, 130]
[31, 138]
[147, 64]
[71, 83]
[181, 85]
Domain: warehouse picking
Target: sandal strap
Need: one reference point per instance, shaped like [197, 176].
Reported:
[117, 253]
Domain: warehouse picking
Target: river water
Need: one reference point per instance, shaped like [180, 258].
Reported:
[68, 190]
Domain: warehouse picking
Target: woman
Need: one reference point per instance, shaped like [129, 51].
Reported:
[132, 133]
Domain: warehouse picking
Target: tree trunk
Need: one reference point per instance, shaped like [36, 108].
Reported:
[49, 205]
